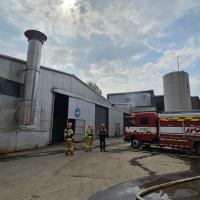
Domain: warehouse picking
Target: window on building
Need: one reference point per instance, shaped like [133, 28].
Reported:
[144, 121]
[10, 88]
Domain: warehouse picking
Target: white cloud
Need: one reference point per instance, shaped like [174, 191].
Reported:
[195, 83]
[115, 78]
[123, 21]
[125, 27]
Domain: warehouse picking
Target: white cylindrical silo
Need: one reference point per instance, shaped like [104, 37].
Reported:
[177, 92]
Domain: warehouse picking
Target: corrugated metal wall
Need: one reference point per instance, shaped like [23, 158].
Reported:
[69, 83]
[133, 99]
[124, 107]
[52, 79]
[12, 69]
[8, 109]
[87, 113]
[116, 124]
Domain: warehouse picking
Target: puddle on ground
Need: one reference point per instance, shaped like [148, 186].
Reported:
[128, 190]
[189, 191]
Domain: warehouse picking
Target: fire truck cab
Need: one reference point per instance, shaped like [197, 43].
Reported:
[165, 130]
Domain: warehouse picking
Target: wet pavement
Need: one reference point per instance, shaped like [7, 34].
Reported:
[120, 171]
[128, 190]
[124, 191]
[189, 191]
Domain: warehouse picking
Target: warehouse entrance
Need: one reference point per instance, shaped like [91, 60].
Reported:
[59, 117]
[101, 117]
[78, 126]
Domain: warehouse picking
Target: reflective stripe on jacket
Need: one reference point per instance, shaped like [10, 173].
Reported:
[89, 133]
[68, 134]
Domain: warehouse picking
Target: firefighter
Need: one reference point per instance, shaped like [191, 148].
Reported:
[69, 137]
[102, 133]
[89, 137]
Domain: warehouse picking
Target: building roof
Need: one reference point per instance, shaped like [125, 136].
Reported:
[124, 93]
[54, 70]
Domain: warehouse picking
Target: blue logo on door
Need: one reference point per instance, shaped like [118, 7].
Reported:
[77, 112]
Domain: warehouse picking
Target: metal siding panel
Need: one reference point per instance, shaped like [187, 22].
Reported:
[115, 117]
[87, 111]
[11, 70]
[47, 80]
[125, 108]
[7, 113]
[8, 70]
[45, 97]
[80, 130]
[70, 84]
[8, 101]
[135, 99]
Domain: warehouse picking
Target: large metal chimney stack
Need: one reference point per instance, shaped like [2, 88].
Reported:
[35, 39]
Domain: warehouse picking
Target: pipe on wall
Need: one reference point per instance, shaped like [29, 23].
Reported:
[32, 71]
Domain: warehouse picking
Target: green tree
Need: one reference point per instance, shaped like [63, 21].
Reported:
[94, 86]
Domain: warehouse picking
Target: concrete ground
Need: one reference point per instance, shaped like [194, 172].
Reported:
[59, 177]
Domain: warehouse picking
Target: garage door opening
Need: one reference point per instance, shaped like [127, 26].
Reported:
[78, 127]
[101, 117]
[59, 117]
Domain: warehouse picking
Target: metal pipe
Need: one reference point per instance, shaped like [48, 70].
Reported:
[32, 71]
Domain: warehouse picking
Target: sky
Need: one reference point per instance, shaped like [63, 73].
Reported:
[122, 45]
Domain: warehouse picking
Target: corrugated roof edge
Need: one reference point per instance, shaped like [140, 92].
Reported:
[55, 70]
[159, 96]
[131, 92]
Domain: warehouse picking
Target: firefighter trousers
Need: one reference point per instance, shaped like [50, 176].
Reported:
[102, 143]
[89, 142]
[69, 147]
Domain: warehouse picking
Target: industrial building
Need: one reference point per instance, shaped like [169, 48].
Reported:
[176, 97]
[195, 103]
[158, 103]
[37, 102]
[137, 101]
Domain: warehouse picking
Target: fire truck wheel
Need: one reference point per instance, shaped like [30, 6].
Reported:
[135, 143]
[197, 148]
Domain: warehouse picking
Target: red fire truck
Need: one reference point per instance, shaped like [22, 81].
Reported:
[165, 130]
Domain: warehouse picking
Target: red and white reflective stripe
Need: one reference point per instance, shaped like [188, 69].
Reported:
[179, 119]
[176, 130]
[142, 129]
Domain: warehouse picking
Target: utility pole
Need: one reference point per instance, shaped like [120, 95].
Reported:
[177, 62]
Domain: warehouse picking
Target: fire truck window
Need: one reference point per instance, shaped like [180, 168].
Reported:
[130, 122]
[144, 121]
